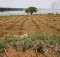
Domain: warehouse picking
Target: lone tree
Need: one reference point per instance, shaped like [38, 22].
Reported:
[31, 10]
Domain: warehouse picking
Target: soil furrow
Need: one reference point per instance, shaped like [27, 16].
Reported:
[49, 25]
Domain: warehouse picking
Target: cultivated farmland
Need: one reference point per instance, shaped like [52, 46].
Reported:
[18, 25]
[30, 36]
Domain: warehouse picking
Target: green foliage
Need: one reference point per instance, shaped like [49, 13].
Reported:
[31, 10]
[32, 41]
[40, 40]
[39, 36]
[12, 40]
[53, 39]
[26, 43]
[36, 41]
[2, 47]
[27, 11]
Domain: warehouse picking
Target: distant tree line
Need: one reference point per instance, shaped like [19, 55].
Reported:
[11, 9]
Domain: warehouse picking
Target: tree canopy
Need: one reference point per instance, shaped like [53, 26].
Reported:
[31, 10]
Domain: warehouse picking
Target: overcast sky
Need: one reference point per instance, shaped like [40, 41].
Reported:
[26, 3]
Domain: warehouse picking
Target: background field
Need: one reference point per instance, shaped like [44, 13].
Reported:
[18, 25]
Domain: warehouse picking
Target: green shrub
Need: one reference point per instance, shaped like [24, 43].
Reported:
[53, 39]
[32, 41]
[38, 36]
[3, 48]
[11, 40]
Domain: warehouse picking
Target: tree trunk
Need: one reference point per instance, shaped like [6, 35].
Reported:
[31, 13]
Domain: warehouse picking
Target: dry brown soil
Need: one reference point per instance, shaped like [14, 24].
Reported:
[29, 24]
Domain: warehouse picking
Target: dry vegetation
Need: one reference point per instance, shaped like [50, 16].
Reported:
[33, 45]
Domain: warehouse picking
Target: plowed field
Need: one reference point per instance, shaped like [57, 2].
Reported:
[19, 25]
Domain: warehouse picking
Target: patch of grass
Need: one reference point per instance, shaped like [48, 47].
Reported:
[6, 41]
[53, 39]
[3, 48]
[33, 41]
[37, 42]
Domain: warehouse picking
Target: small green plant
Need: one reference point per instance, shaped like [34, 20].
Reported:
[39, 36]
[27, 43]
[54, 40]
[11, 40]
[32, 41]
[3, 48]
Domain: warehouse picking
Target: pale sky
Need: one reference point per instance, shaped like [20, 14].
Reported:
[27, 3]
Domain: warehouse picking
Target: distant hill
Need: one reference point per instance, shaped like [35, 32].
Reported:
[12, 9]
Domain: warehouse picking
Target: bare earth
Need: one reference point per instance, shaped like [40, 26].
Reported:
[19, 25]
